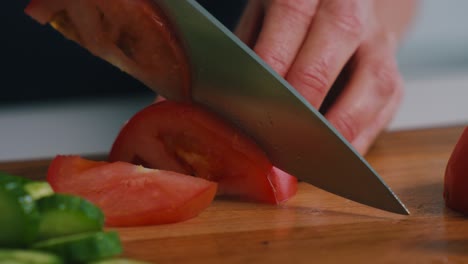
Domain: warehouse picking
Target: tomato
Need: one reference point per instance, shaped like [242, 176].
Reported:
[137, 37]
[131, 195]
[188, 139]
[132, 35]
[456, 176]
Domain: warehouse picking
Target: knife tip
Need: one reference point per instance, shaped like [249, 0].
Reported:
[403, 210]
[396, 207]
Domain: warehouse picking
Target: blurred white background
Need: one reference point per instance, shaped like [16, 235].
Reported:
[434, 61]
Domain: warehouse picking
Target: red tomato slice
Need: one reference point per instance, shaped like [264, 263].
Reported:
[132, 35]
[131, 195]
[456, 176]
[188, 139]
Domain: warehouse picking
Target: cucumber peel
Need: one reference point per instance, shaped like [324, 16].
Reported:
[5, 178]
[27, 257]
[71, 227]
[83, 247]
[63, 215]
[19, 223]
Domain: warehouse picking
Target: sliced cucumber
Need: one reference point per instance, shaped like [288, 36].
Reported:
[83, 247]
[19, 221]
[119, 261]
[63, 215]
[5, 177]
[27, 257]
[38, 189]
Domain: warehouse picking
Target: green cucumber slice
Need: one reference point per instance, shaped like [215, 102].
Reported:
[19, 221]
[27, 257]
[83, 247]
[6, 177]
[63, 215]
[38, 189]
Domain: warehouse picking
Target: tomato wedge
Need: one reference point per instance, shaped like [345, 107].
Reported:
[131, 195]
[188, 139]
[132, 35]
[456, 176]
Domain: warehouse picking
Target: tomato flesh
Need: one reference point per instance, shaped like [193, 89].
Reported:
[131, 195]
[132, 35]
[456, 176]
[191, 140]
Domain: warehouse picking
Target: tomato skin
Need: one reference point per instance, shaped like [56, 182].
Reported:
[456, 176]
[134, 36]
[188, 139]
[68, 165]
[131, 195]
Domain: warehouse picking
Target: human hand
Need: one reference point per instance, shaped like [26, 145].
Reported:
[309, 43]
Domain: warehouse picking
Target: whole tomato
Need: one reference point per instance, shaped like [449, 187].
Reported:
[456, 176]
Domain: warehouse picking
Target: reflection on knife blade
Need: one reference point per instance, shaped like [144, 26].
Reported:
[246, 91]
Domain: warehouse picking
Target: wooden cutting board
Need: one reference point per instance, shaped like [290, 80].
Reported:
[315, 226]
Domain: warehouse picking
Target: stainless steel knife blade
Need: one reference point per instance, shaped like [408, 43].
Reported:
[230, 79]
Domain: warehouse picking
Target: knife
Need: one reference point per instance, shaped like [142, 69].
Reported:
[231, 80]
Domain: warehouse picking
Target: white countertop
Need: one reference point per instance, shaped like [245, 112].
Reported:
[82, 126]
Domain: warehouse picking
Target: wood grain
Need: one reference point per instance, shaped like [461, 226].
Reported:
[315, 226]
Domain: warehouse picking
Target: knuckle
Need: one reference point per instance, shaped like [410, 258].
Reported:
[275, 60]
[314, 79]
[387, 76]
[347, 16]
[301, 10]
[347, 125]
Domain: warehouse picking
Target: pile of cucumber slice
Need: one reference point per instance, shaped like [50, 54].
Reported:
[39, 226]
